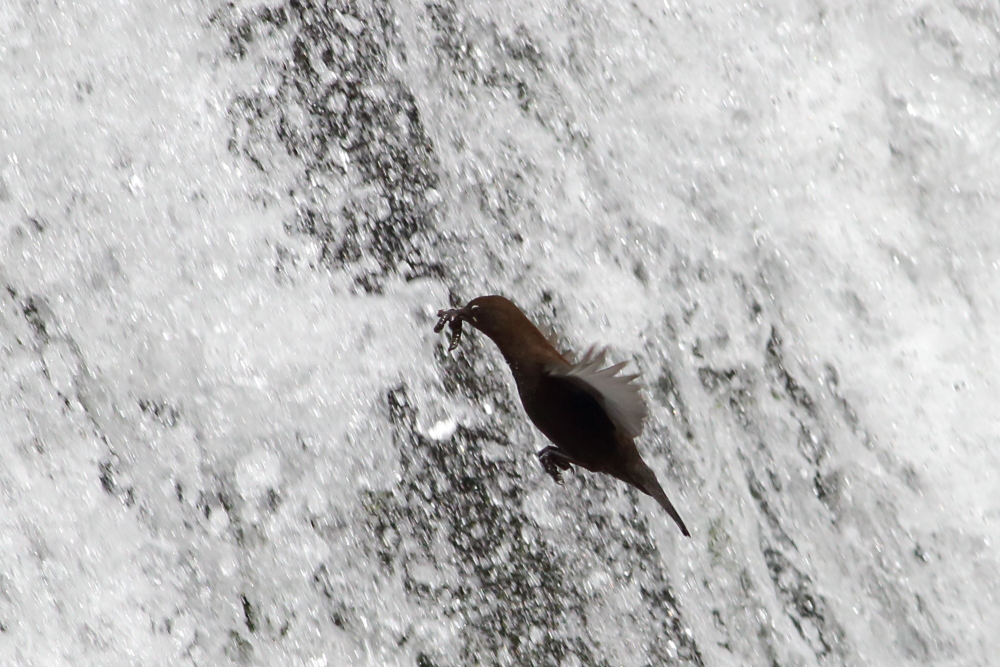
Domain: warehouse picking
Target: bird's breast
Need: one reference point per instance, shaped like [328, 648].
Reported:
[571, 418]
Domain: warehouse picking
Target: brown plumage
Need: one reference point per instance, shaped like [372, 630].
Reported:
[591, 414]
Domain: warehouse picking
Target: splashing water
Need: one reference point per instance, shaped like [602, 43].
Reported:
[229, 433]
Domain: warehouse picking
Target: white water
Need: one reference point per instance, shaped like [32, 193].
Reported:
[229, 434]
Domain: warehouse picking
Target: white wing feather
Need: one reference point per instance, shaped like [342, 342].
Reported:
[616, 393]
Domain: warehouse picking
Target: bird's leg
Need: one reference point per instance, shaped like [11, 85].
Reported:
[554, 461]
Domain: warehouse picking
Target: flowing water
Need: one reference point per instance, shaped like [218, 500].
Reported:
[229, 435]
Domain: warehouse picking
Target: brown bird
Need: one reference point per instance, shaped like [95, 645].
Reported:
[591, 414]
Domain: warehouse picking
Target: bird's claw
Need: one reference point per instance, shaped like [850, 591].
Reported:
[553, 463]
[452, 318]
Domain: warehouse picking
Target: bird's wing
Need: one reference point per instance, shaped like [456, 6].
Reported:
[616, 393]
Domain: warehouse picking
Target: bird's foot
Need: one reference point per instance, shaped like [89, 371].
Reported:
[553, 462]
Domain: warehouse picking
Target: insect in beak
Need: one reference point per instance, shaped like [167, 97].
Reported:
[453, 318]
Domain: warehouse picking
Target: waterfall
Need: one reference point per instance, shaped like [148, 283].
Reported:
[229, 433]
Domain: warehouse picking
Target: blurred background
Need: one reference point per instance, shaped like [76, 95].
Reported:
[229, 435]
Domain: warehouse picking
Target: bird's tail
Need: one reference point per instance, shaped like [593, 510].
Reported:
[645, 480]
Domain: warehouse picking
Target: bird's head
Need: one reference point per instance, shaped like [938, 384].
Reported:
[495, 316]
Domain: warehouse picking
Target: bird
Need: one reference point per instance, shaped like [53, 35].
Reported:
[591, 414]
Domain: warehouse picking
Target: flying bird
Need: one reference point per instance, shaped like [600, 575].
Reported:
[592, 415]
